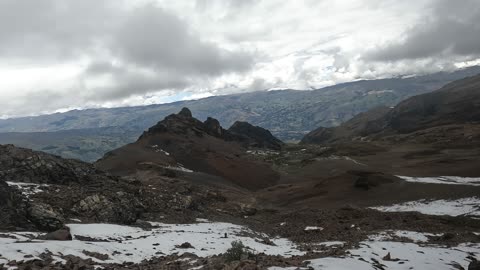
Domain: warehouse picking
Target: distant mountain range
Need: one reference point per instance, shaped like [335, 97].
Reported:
[288, 114]
[449, 116]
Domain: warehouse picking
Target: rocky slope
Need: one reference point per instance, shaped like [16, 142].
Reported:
[43, 192]
[182, 143]
[450, 115]
[287, 114]
[355, 127]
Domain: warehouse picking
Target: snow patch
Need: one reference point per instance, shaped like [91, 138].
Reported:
[459, 207]
[262, 152]
[369, 254]
[410, 256]
[179, 167]
[313, 228]
[27, 189]
[447, 180]
[331, 243]
[335, 157]
[416, 237]
[132, 244]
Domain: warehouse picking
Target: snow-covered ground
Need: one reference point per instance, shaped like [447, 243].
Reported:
[460, 207]
[132, 244]
[405, 256]
[448, 180]
[414, 236]
[125, 243]
[419, 255]
[27, 189]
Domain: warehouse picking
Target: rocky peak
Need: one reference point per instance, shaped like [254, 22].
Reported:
[185, 112]
[183, 123]
[213, 127]
[253, 136]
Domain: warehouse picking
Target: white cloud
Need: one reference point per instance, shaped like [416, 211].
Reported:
[117, 53]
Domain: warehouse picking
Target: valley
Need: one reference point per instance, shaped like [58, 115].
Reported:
[393, 188]
[289, 114]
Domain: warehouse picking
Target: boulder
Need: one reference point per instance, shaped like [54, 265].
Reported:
[13, 208]
[59, 235]
[45, 217]
[114, 208]
[474, 265]
[185, 245]
[248, 210]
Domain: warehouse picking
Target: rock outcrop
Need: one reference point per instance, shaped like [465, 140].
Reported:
[28, 166]
[253, 136]
[42, 191]
[185, 144]
[13, 208]
[242, 132]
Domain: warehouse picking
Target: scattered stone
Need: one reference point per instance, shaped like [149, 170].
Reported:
[96, 255]
[59, 235]
[184, 245]
[389, 258]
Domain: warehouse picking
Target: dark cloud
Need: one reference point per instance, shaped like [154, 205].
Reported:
[451, 30]
[125, 82]
[52, 30]
[152, 49]
[154, 38]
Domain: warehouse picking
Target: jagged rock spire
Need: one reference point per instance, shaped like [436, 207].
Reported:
[185, 112]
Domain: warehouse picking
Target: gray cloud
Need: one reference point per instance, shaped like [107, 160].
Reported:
[52, 30]
[127, 81]
[152, 48]
[91, 53]
[152, 37]
[451, 30]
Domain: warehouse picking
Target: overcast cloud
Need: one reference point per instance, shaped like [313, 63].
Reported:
[57, 55]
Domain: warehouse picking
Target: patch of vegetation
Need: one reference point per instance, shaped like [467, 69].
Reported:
[237, 252]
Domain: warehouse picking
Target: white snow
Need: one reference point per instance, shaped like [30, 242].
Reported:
[313, 228]
[369, 255]
[179, 167]
[134, 244]
[410, 255]
[460, 207]
[262, 152]
[448, 180]
[27, 189]
[416, 237]
[155, 146]
[331, 243]
[335, 157]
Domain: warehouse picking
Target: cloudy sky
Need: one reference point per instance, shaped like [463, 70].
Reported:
[57, 55]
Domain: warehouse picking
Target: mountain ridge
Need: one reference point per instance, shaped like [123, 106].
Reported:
[288, 114]
[454, 107]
